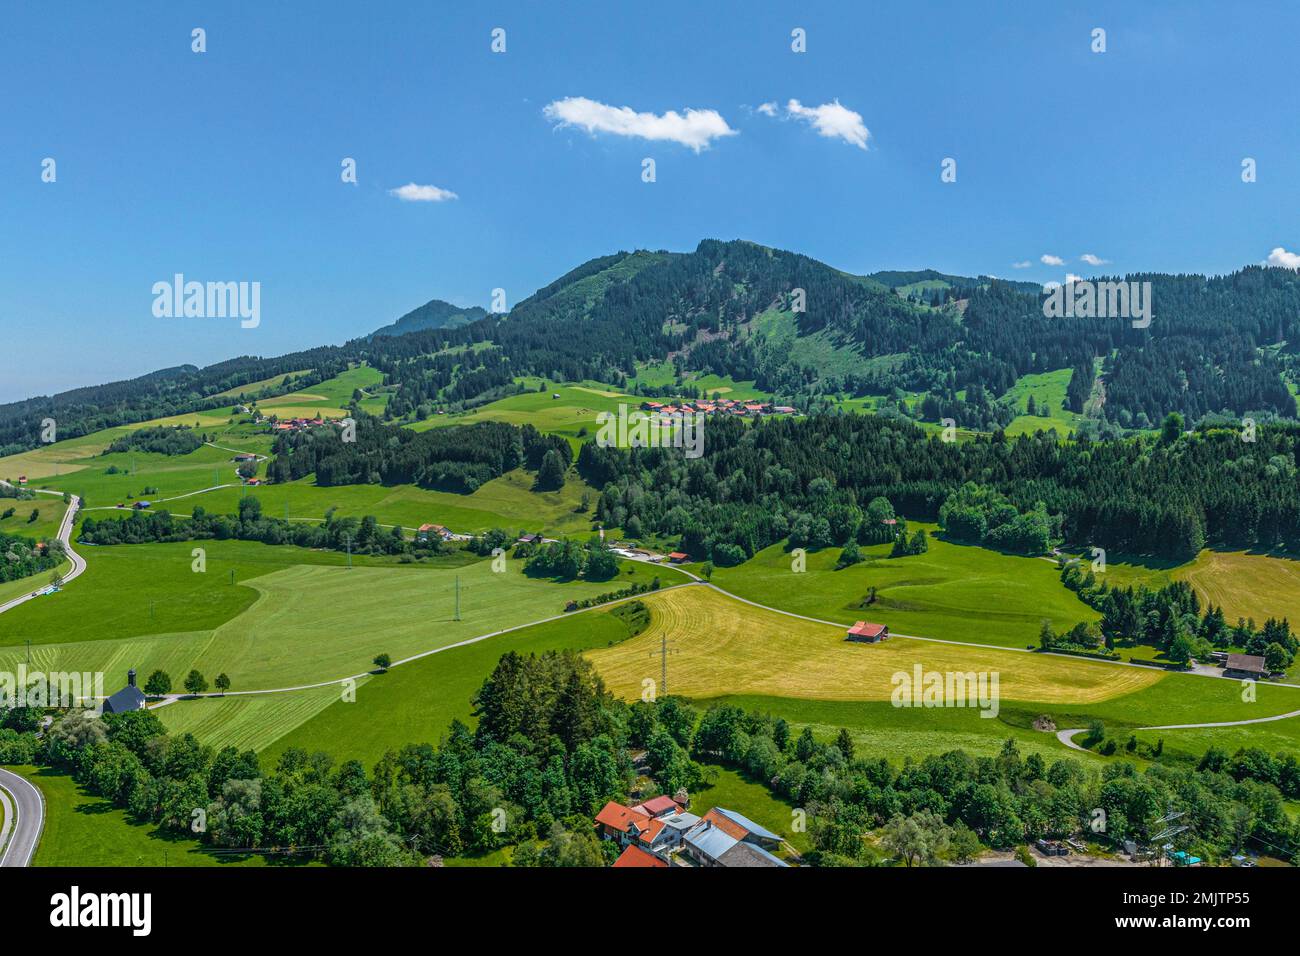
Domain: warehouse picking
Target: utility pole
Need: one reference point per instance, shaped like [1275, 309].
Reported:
[348, 539]
[29, 652]
[457, 597]
[232, 576]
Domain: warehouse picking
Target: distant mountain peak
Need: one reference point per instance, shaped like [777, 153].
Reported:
[434, 314]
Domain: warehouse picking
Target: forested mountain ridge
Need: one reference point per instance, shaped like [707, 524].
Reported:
[795, 326]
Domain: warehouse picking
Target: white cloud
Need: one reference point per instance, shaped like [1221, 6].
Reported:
[1021, 265]
[694, 128]
[832, 120]
[1282, 259]
[1050, 260]
[768, 109]
[413, 192]
[1049, 286]
[1092, 260]
[1071, 278]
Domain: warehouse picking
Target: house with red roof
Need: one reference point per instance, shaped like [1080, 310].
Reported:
[633, 855]
[659, 806]
[679, 557]
[867, 633]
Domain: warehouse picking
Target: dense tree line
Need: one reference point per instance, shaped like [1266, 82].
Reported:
[1233, 803]
[808, 479]
[980, 515]
[361, 535]
[161, 440]
[458, 457]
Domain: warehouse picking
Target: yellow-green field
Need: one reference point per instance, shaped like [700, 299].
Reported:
[722, 646]
[1246, 585]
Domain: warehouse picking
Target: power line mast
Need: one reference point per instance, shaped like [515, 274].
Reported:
[1168, 833]
[664, 651]
[457, 617]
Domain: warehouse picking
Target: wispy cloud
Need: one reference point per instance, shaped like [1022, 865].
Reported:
[768, 109]
[1048, 259]
[1092, 260]
[413, 192]
[1025, 264]
[832, 120]
[1282, 259]
[696, 129]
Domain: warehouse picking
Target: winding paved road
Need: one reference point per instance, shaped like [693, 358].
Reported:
[65, 536]
[28, 808]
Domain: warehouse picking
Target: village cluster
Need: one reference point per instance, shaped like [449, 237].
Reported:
[714, 406]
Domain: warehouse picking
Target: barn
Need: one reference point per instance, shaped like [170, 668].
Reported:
[867, 633]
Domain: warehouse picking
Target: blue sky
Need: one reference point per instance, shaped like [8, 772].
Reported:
[225, 165]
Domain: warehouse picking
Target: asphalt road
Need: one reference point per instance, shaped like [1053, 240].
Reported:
[65, 535]
[29, 818]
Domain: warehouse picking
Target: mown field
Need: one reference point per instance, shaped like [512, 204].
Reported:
[300, 623]
[722, 646]
[956, 592]
[249, 722]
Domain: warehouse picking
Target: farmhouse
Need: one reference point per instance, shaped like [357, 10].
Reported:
[679, 557]
[627, 827]
[1245, 665]
[128, 698]
[867, 633]
[427, 531]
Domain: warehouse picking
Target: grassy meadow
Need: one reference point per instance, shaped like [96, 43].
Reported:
[84, 830]
[953, 591]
